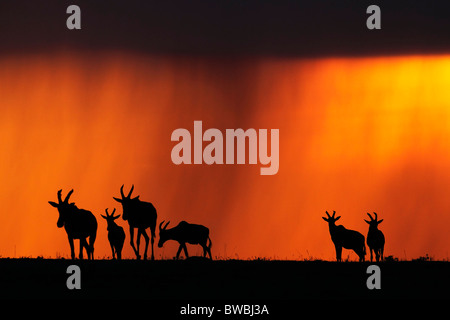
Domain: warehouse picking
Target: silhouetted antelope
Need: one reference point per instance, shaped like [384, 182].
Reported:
[344, 238]
[79, 224]
[186, 233]
[375, 238]
[140, 215]
[116, 235]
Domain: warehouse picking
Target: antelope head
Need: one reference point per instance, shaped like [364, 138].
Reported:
[373, 223]
[110, 217]
[163, 236]
[126, 201]
[64, 207]
[331, 219]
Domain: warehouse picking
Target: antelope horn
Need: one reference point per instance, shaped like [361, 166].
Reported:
[59, 196]
[132, 188]
[121, 192]
[106, 210]
[66, 200]
[376, 217]
[165, 227]
[334, 212]
[160, 225]
[113, 212]
[328, 214]
[371, 218]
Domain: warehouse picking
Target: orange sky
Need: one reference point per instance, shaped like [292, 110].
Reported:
[357, 135]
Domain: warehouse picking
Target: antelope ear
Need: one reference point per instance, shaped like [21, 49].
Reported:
[117, 199]
[325, 219]
[116, 217]
[366, 221]
[336, 219]
[136, 198]
[104, 217]
[53, 204]
[380, 221]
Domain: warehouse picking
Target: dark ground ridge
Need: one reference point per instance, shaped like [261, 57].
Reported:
[224, 280]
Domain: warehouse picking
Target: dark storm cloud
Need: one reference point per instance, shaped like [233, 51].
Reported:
[232, 27]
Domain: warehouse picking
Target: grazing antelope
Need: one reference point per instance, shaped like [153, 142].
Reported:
[116, 235]
[140, 215]
[344, 238]
[79, 224]
[375, 238]
[186, 233]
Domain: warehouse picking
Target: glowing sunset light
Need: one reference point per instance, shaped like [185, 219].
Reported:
[356, 135]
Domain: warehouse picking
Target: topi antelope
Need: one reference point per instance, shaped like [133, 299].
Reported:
[375, 238]
[344, 238]
[79, 224]
[140, 215]
[116, 235]
[186, 233]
